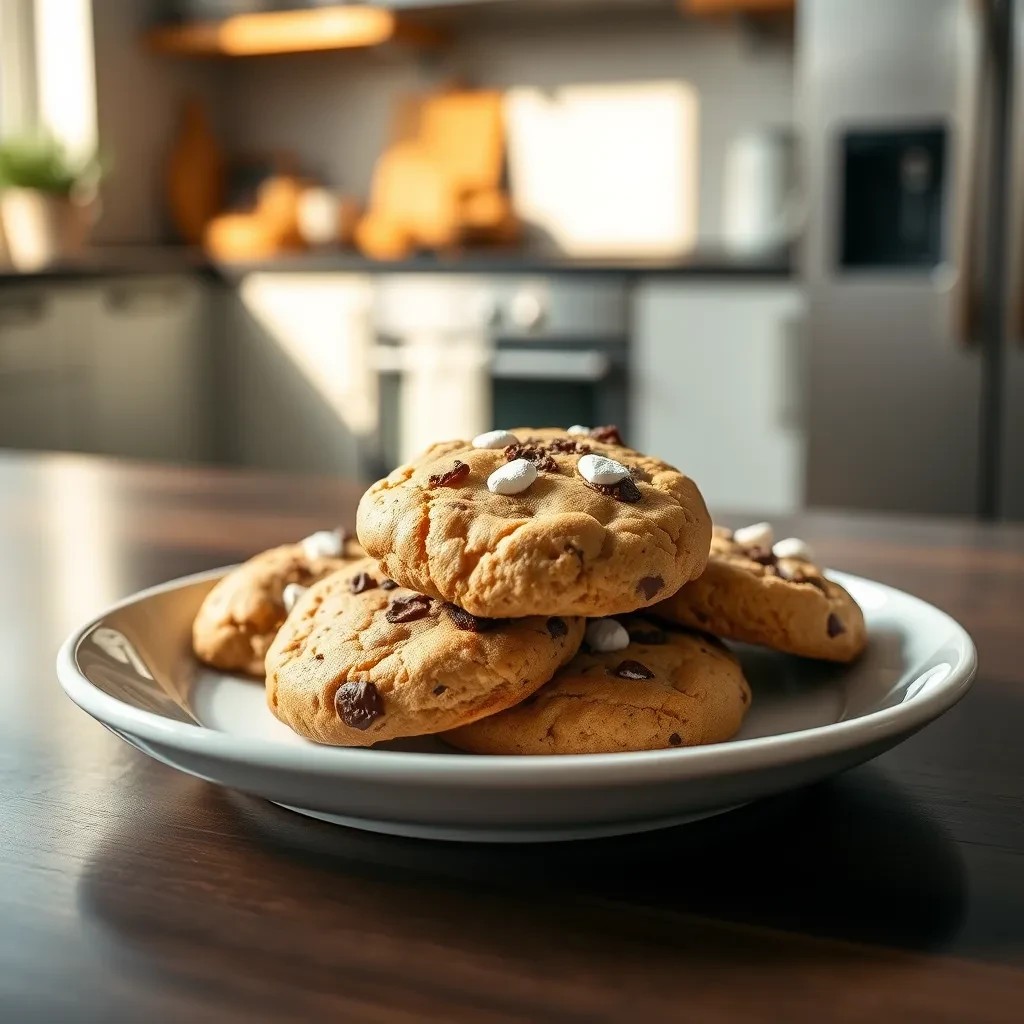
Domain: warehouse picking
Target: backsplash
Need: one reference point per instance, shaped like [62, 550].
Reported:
[334, 109]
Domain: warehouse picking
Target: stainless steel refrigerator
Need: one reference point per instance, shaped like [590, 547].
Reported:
[911, 118]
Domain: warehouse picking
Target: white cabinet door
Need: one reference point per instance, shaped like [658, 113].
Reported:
[717, 377]
[43, 370]
[149, 388]
[304, 393]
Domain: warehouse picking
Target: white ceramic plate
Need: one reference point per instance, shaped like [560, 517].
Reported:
[133, 670]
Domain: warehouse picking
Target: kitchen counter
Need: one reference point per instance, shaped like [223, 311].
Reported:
[133, 892]
[111, 261]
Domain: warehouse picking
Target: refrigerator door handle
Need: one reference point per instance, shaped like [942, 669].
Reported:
[1015, 199]
[959, 278]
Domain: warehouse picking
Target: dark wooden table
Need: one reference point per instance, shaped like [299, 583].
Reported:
[129, 892]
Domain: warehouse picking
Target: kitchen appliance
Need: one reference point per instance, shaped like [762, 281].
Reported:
[912, 123]
[458, 354]
[760, 211]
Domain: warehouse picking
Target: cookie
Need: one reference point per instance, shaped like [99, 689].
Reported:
[661, 688]
[772, 594]
[537, 521]
[361, 660]
[242, 614]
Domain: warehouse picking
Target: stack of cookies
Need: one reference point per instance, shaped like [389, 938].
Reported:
[535, 591]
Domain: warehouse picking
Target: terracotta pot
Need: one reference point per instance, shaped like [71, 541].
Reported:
[41, 228]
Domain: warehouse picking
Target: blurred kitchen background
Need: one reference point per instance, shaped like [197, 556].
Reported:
[777, 241]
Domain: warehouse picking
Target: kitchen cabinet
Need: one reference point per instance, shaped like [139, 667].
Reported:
[114, 367]
[43, 370]
[717, 380]
[302, 392]
[149, 387]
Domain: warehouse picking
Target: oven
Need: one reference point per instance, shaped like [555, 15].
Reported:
[458, 353]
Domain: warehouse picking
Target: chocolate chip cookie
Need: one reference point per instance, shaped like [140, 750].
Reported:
[361, 660]
[661, 688]
[771, 593]
[242, 614]
[537, 521]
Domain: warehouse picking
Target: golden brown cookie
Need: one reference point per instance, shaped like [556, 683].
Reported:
[242, 614]
[767, 593]
[666, 688]
[361, 660]
[517, 529]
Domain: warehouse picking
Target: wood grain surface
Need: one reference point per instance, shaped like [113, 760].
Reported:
[131, 892]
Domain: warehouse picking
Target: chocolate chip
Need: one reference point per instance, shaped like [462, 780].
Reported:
[628, 491]
[537, 455]
[408, 609]
[835, 626]
[361, 582]
[675, 739]
[763, 556]
[649, 586]
[438, 690]
[625, 490]
[556, 627]
[569, 446]
[607, 435]
[472, 623]
[358, 704]
[630, 669]
[388, 584]
[319, 657]
[450, 477]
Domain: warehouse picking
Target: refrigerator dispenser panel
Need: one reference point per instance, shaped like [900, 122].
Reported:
[892, 198]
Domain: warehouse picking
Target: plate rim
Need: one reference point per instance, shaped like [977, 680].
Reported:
[429, 768]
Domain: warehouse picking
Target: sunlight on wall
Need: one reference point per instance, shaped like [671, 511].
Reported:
[607, 169]
[321, 323]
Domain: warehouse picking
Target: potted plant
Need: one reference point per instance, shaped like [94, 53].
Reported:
[47, 200]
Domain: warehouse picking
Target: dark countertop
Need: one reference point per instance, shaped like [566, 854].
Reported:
[133, 892]
[116, 261]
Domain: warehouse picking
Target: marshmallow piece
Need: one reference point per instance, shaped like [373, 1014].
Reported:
[324, 544]
[291, 595]
[605, 635]
[512, 478]
[759, 535]
[576, 428]
[598, 469]
[495, 439]
[793, 547]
